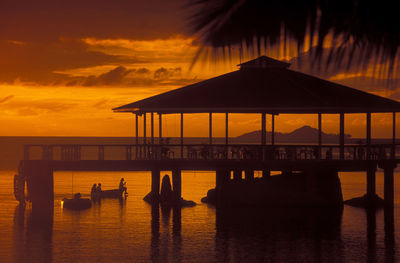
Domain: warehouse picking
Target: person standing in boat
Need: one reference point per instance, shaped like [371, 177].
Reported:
[98, 189]
[122, 185]
[93, 193]
[94, 189]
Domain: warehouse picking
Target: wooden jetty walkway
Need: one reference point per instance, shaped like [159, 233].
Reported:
[229, 163]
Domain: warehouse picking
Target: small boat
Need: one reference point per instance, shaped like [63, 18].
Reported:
[76, 203]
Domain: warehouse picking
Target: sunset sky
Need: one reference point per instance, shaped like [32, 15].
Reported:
[65, 64]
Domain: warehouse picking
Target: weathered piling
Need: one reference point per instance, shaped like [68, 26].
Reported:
[388, 194]
[237, 175]
[40, 187]
[155, 182]
[266, 173]
[371, 182]
[249, 175]
[221, 180]
[177, 183]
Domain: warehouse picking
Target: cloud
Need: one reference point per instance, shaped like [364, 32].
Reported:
[103, 103]
[113, 77]
[47, 20]
[134, 77]
[42, 64]
[164, 74]
[35, 107]
[2, 100]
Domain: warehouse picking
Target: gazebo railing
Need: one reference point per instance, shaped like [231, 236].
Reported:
[68, 152]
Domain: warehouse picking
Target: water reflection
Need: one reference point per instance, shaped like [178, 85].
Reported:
[278, 235]
[32, 239]
[371, 235]
[155, 234]
[389, 240]
[160, 243]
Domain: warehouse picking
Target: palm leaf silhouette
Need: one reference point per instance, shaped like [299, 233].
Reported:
[358, 29]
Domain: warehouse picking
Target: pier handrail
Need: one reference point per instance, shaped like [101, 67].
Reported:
[148, 151]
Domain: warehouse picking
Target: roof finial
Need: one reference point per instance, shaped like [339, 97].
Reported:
[264, 62]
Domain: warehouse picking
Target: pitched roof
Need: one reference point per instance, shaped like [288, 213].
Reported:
[270, 87]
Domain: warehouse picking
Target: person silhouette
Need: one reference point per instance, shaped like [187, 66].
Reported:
[122, 185]
[94, 188]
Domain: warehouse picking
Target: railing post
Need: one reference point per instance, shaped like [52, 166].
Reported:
[26, 152]
[128, 153]
[101, 152]
[78, 152]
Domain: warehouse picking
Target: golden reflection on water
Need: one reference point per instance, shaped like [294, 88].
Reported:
[133, 231]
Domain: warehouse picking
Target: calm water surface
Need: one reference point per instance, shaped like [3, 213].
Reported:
[133, 231]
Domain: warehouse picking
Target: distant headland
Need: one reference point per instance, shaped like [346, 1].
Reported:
[303, 134]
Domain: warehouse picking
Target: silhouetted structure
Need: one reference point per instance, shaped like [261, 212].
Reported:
[263, 86]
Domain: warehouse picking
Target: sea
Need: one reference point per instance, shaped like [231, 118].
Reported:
[131, 230]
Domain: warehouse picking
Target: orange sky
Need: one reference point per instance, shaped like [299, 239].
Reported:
[64, 67]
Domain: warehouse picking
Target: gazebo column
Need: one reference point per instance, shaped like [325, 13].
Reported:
[263, 136]
[341, 142]
[137, 135]
[152, 134]
[393, 153]
[210, 127]
[159, 128]
[319, 135]
[368, 135]
[273, 130]
[181, 135]
[144, 136]
[226, 129]
[263, 129]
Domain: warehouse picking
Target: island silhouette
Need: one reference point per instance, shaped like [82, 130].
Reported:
[303, 134]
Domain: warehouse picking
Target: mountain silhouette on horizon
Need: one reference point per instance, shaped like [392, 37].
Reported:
[303, 134]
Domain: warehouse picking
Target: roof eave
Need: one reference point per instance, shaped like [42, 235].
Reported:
[276, 110]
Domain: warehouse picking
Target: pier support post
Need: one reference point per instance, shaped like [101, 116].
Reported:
[221, 180]
[266, 173]
[311, 180]
[371, 182]
[237, 175]
[249, 174]
[155, 182]
[177, 183]
[389, 184]
[41, 188]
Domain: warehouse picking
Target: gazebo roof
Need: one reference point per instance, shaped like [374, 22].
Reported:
[263, 85]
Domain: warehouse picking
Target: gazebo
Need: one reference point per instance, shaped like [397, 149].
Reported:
[265, 86]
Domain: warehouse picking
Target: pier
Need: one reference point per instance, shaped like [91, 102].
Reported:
[271, 89]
